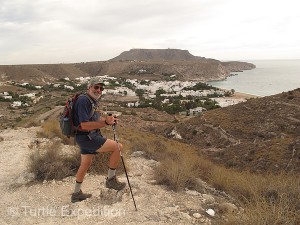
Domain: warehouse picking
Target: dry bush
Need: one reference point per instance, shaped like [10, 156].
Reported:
[179, 163]
[152, 150]
[32, 123]
[50, 163]
[259, 211]
[177, 173]
[267, 199]
[51, 129]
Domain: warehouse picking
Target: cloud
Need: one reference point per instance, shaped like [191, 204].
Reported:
[52, 31]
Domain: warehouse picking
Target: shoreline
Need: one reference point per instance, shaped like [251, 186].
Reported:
[238, 95]
[236, 98]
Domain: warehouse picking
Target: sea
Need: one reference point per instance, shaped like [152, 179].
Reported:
[268, 78]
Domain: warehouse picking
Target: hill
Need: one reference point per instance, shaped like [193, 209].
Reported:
[153, 64]
[156, 54]
[259, 135]
[48, 202]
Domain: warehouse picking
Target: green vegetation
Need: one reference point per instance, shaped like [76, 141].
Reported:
[178, 104]
[200, 86]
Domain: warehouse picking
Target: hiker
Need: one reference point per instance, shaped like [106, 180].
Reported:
[91, 141]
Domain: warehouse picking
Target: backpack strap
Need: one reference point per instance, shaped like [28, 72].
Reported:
[92, 103]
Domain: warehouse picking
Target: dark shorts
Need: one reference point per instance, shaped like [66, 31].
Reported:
[89, 144]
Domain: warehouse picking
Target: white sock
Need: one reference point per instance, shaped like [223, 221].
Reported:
[77, 187]
[111, 173]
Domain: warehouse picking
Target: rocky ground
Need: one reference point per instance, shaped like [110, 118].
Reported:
[24, 202]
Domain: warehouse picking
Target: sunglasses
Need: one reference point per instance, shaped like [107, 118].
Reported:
[96, 87]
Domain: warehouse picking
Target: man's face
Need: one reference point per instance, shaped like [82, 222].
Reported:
[95, 91]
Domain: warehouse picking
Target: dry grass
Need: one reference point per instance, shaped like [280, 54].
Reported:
[178, 163]
[266, 199]
[50, 129]
[178, 173]
[50, 163]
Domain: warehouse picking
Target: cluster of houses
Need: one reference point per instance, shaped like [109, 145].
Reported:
[170, 89]
[16, 104]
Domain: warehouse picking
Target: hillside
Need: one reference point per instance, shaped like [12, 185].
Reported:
[156, 54]
[262, 134]
[48, 202]
[152, 64]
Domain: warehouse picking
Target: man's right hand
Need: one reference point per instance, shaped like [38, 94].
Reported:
[110, 119]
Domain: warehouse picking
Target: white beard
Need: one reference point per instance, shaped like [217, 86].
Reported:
[94, 95]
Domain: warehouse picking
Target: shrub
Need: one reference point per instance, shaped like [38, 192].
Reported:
[177, 173]
[32, 123]
[153, 150]
[267, 198]
[50, 163]
[51, 129]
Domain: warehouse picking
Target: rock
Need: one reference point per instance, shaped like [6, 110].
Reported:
[228, 207]
[137, 154]
[24, 178]
[197, 215]
[185, 216]
[191, 192]
[202, 220]
[208, 198]
[110, 196]
[210, 212]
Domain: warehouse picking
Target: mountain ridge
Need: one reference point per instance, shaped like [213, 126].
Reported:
[155, 64]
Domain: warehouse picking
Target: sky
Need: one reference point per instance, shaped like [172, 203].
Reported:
[70, 31]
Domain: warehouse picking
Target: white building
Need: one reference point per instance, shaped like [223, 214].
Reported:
[30, 95]
[68, 87]
[196, 111]
[224, 102]
[16, 104]
[133, 104]
[7, 97]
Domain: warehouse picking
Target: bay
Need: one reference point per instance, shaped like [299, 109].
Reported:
[268, 78]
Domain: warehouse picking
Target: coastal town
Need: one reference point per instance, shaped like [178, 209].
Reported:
[172, 96]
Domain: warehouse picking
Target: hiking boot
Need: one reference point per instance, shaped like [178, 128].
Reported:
[113, 183]
[79, 196]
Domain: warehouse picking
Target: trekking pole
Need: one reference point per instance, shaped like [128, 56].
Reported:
[116, 140]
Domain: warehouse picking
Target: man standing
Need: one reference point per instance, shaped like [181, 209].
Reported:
[91, 141]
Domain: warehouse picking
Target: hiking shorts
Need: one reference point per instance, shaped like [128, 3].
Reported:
[90, 143]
